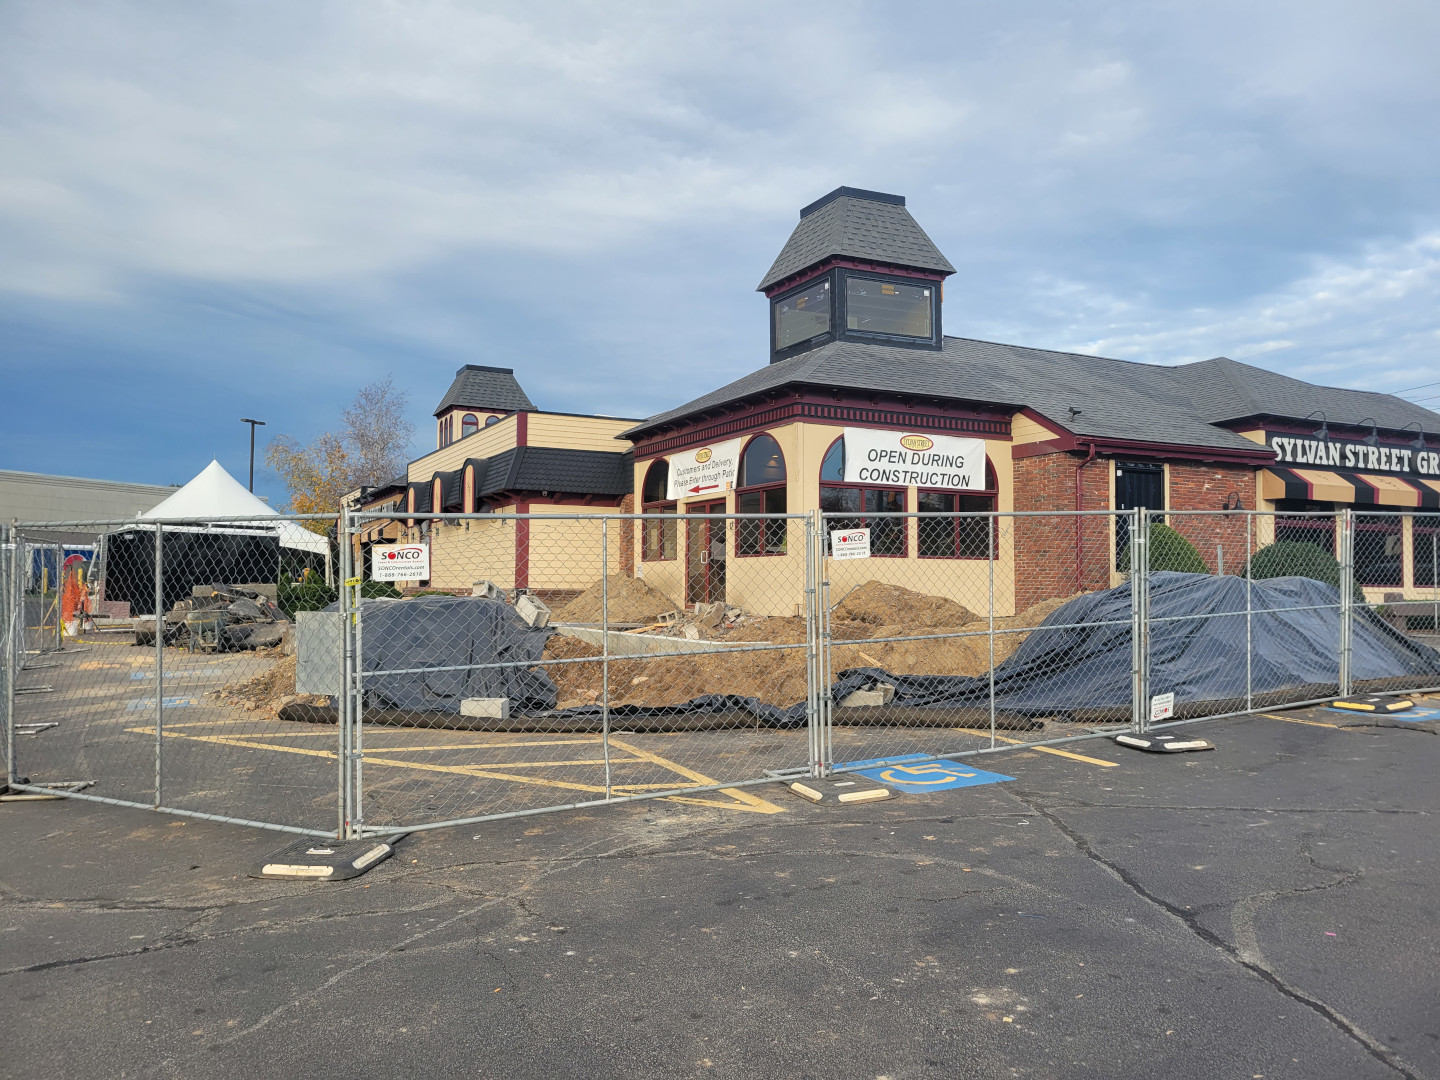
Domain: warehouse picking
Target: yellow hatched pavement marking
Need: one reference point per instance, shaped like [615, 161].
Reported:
[1046, 749]
[1297, 720]
[742, 800]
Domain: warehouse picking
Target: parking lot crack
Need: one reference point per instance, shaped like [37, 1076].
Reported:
[1246, 953]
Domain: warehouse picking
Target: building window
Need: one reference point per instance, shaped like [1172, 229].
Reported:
[657, 537]
[760, 488]
[444, 437]
[857, 502]
[1317, 527]
[491, 420]
[1427, 551]
[802, 315]
[1379, 550]
[888, 308]
[957, 537]
[469, 425]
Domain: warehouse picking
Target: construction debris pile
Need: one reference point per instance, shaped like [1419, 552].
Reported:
[871, 611]
[268, 692]
[219, 618]
[630, 602]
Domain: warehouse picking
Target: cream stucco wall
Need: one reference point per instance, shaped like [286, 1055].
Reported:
[774, 585]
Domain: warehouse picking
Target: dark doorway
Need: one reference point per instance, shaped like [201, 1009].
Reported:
[1137, 483]
[705, 554]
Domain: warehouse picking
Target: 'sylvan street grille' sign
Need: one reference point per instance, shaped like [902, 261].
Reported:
[904, 458]
[400, 562]
[706, 471]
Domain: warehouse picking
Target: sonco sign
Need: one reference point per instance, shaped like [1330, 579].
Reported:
[400, 562]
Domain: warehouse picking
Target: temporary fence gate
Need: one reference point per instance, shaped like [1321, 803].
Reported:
[688, 656]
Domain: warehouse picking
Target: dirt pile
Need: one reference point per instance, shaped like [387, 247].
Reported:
[889, 605]
[631, 600]
[777, 676]
[268, 691]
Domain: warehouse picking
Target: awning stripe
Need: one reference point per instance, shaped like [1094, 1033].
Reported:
[1349, 488]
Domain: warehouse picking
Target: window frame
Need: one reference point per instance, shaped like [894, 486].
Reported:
[991, 492]
[1380, 525]
[469, 425]
[763, 537]
[841, 320]
[861, 516]
[1425, 523]
[664, 529]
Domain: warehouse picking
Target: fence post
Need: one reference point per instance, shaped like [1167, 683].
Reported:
[1140, 620]
[1347, 591]
[605, 648]
[347, 660]
[11, 575]
[159, 663]
[1249, 577]
[992, 522]
[812, 650]
[59, 597]
[822, 608]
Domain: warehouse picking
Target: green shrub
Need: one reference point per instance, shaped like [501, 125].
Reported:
[1168, 551]
[1293, 558]
[312, 594]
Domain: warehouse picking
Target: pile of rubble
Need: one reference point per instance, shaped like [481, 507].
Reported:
[219, 618]
[268, 692]
[777, 675]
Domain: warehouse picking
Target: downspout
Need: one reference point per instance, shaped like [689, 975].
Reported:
[1079, 524]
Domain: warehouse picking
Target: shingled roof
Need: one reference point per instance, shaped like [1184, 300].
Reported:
[480, 387]
[857, 224]
[549, 468]
[1113, 399]
[1225, 389]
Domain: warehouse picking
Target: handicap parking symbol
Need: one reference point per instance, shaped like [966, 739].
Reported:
[926, 776]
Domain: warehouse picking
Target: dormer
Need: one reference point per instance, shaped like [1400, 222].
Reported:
[857, 267]
[478, 397]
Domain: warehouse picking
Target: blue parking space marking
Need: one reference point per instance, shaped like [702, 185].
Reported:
[925, 776]
[1417, 715]
[169, 702]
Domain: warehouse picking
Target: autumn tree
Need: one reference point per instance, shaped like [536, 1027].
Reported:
[371, 448]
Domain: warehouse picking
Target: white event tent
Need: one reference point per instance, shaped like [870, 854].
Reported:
[215, 495]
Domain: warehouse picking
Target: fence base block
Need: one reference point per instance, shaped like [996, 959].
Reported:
[838, 790]
[324, 860]
[1373, 703]
[1163, 744]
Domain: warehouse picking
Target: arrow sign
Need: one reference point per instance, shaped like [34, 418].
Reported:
[696, 490]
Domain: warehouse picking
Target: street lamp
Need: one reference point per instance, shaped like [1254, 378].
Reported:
[253, 425]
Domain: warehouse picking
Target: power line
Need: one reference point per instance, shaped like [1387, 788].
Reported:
[1422, 386]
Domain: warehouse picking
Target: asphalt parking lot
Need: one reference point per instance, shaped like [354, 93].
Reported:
[1265, 910]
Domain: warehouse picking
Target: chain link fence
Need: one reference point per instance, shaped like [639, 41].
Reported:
[307, 674]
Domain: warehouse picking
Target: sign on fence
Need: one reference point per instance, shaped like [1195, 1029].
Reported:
[401, 562]
[850, 544]
[1162, 707]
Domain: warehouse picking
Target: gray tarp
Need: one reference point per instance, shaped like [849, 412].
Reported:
[439, 632]
[1077, 662]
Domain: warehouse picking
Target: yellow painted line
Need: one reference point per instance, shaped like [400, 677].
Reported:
[745, 800]
[751, 801]
[1046, 749]
[1297, 720]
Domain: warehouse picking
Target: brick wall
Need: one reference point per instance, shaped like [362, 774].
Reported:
[1060, 556]
[1206, 487]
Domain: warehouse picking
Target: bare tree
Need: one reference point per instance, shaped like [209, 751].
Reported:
[372, 448]
[377, 434]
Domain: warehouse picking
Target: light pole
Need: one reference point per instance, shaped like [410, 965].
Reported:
[253, 425]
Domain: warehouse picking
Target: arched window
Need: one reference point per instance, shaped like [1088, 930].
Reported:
[957, 537]
[658, 537]
[469, 425]
[859, 502]
[492, 419]
[760, 488]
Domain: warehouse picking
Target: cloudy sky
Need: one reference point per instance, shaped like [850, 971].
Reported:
[210, 210]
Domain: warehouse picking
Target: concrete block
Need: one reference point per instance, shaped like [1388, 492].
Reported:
[317, 652]
[532, 610]
[488, 589]
[881, 694]
[491, 708]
